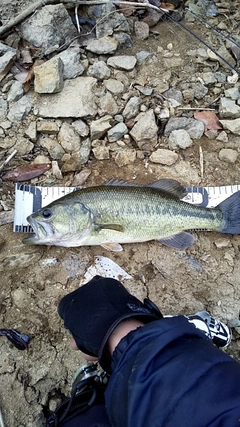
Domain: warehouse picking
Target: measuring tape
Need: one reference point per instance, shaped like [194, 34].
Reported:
[29, 198]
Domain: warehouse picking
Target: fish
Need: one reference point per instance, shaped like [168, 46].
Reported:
[120, 212]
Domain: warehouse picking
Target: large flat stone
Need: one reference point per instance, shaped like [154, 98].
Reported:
[75, 100]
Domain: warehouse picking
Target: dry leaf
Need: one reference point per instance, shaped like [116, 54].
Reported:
[26, 172]
[30, 75]
[167, 6]
[209, 118]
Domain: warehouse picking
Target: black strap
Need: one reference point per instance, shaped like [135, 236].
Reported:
[84, 395]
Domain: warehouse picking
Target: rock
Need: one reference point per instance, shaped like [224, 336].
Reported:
[80, 178]
[99, 70]
[141, 30]
[20, 109]
[68, 138]
[112, 22]
[41, 159]
[228, 155]
[153, 17]
[209, 78]
[81, 127]
[195, 128]
[6, 143]
[47, 126]
[99, 127]
[72, 65]
[7, 58]
[144, 56]
[228, 109]
[163, 156]
[222, 136]
[75, 100]
[132, 108]
[211, 133]
[101, 152]
[114, 86]
[3, 108]
[146, 91]
[23, 146]
[85, 150]
[16, 92]
[48, 28]
[125, 157]
[53, 147]
[144, 132]
[107, 105]
[232, 125]
[124, 40]
[179, 139]
[174, 94]
[20, 298]
[233, 93]
[49, 76]
[31, 131]
[117, 132]
[124, 62]
[71, 162]
[103, 46]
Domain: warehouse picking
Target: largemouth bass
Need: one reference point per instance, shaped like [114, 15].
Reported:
[120, 212]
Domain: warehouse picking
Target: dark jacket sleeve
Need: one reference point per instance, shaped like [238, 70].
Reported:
[169, 374]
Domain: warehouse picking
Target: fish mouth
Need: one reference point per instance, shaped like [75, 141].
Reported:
[38, 229]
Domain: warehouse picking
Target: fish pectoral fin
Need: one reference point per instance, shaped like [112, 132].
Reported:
[116, 227]
[179, 241]
[112, 246]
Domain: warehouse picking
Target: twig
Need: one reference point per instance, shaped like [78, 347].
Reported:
[7, 160]
[41, 3]
[196, 108]
[76, 17]
[1, 419]
[24, 14]
[201, 160]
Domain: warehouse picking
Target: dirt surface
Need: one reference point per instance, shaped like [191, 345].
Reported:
[33, 279]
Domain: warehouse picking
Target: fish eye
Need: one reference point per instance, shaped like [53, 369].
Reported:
[47, 213]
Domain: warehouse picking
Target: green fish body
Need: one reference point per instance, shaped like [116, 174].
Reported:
[119, 212]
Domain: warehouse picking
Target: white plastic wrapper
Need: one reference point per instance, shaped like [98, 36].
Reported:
[105, 267]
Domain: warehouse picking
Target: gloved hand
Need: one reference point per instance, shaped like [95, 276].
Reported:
[93, 311]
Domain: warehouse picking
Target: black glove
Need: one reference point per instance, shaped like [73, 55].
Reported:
[93, 311]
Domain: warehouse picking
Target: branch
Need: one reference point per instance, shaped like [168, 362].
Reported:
[31, 9]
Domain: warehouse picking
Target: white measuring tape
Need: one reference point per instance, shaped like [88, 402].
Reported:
[29, 198]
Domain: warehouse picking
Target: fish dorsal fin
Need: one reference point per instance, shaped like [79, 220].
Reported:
[120, 183]
[169, 186]
[112, 246]
[179, 241]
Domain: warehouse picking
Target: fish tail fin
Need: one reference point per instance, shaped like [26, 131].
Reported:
[231, 214]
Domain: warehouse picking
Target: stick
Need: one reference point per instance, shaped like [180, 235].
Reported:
[7, 160]
[41, 3]
[24, 15]
[1, 419]
[201, 160]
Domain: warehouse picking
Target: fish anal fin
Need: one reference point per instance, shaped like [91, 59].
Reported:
[112, 246]
[179, 241]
